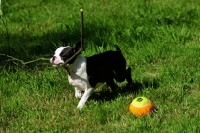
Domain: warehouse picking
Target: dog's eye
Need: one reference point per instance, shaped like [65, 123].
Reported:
[61, 54]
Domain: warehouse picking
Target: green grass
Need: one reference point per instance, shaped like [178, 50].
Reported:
[160, 40]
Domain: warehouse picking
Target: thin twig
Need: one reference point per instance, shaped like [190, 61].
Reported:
[82, 48]
[25, 63]
[81, 11]
[21, 61]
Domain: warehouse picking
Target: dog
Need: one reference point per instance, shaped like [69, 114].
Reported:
[88, 73]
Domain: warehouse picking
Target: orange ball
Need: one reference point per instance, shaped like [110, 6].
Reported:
[141, 106]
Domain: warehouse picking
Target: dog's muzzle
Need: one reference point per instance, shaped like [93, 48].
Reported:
[56, 61]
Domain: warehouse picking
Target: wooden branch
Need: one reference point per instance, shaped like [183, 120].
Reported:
[81, 11]
[25, 63]
[21, 61]
[82, 48]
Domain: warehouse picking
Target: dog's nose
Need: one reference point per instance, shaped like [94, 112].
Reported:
[54, 57]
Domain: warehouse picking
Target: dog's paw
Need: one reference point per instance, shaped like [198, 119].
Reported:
[78, 94]
[79, 107]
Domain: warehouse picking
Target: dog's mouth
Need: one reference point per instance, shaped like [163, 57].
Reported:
[53, 63]
[56, 62]
[56, 65]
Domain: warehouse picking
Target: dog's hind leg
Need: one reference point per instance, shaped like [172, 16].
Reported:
[128, 75]
[112, 85]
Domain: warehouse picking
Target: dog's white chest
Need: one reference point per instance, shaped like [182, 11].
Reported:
[78, 82]
[78, 75]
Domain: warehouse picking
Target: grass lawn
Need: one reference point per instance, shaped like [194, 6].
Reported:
[159, 39]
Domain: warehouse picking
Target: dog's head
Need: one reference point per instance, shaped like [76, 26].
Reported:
[64, 53]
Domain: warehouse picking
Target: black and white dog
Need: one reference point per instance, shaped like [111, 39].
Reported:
[87, 73]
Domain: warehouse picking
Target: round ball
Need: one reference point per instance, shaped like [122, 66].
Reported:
[140, 106]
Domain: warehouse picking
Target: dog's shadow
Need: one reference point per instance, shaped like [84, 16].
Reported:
[106, 94]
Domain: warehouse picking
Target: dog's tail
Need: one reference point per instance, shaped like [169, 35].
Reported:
[117, 48]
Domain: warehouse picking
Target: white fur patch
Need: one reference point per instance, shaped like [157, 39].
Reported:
[78, 74]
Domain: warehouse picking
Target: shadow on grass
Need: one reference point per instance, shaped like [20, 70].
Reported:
[26, 46]
[134, 88]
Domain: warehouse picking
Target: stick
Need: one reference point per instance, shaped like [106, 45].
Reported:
[21, 61]
[81, 11]
[28, 62]
[81, 49]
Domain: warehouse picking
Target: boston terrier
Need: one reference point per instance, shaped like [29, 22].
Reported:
[87, 73]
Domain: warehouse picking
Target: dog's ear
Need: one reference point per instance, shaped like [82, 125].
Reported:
[63, 42]
[78, 47]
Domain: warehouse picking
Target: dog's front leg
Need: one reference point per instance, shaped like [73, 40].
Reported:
[78, 92]
[85, 97]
